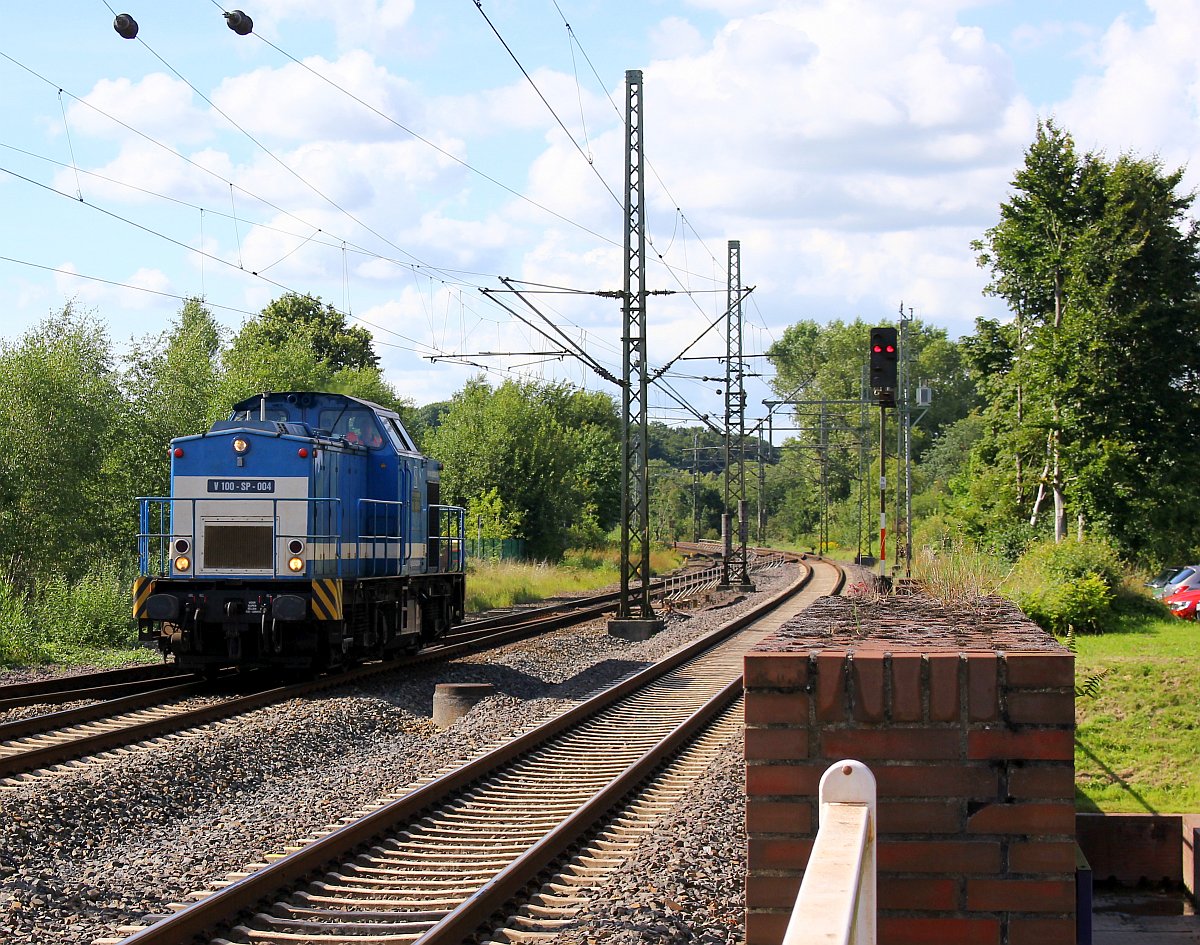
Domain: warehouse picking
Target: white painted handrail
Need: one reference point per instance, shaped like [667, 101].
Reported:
[836, 902]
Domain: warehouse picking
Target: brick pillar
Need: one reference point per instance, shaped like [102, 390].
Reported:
[972, 750]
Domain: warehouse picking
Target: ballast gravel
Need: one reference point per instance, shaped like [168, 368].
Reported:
[87, 850]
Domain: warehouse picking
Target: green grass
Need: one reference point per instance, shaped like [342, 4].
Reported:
[87, 621]
[493, 584]
[1137, 742]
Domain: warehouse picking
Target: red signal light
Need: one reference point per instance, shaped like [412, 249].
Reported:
[877, 349]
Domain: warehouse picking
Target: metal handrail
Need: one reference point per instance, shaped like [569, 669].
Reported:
[836, 904]
[384, 525]
[450, 540]
[154, 547]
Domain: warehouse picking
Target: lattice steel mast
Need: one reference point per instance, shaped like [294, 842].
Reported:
[635, 506]
[735, 571]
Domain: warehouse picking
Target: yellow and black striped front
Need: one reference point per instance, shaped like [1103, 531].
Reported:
[327, 599]
[143, 587]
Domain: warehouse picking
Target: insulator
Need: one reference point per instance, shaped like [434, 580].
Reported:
[239, 22]
[126, 26]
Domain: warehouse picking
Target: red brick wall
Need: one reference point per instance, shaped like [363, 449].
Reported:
[1136, 848]
[972, 752]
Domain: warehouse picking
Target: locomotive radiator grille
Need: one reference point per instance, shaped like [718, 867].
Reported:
[244, 547]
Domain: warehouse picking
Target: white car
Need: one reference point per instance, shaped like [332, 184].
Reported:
[1186, 579]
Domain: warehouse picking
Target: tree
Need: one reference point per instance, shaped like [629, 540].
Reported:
[173, 386]
[820, 370]
[298, 344]
[1132, 386]
[1097, 372]
[66, 497]
[1032, 254]
[334, 343]
[550, 454]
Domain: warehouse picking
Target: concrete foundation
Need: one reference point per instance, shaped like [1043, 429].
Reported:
[451, 701]
[634, 630]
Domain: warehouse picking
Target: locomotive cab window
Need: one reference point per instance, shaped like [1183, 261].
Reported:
[355, 426]
[400, 438]
[273, 413]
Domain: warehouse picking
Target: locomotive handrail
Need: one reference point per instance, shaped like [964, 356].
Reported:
[390, 540]
[454, 545]
[167, 520]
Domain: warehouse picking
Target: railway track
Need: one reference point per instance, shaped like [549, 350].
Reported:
[439, 863]
[107, 684]
[32, 748]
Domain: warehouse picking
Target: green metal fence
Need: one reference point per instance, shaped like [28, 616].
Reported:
[496, 549]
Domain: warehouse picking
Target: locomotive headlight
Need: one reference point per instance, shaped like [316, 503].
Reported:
[240, 446]
[296, 564]
[183, 563]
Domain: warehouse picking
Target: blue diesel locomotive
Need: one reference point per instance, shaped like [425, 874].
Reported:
[304, 532]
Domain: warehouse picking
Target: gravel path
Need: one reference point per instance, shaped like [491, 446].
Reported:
[85, 852]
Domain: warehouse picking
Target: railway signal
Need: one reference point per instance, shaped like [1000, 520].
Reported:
[883, 362]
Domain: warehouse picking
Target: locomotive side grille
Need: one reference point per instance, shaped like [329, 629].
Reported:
[245, 547]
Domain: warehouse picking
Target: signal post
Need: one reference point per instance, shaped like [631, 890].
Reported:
[882, 362]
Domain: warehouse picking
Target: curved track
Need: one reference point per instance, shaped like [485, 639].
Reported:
[440, 862]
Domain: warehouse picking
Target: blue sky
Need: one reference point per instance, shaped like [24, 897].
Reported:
[854, 147]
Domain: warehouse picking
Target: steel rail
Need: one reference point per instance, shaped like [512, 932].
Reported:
[52, 689]
[243, 894]
[510, 881]
[41, 724]
[470, 639]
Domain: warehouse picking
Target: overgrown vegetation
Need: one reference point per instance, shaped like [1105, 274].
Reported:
[67, 621]
[492, 584]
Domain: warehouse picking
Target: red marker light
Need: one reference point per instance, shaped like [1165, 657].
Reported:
[302, 452]
[179, 452]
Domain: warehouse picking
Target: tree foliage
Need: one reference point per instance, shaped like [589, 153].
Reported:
[334, 344]
[1091, 387]
[172, 384]
[66, 494]
[550, 453]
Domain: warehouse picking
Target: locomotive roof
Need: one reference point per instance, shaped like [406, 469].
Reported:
[297, 405]
[250, 402]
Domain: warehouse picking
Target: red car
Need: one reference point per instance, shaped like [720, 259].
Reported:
[1183, 603]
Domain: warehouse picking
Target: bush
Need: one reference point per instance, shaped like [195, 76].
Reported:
[19, 642]
[57, 619]
[101, 610]
[1070, 559]
[1070, 585]
[1083, 604]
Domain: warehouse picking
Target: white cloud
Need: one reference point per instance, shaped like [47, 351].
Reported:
[108, 296]
[1144, 95]
[855, 147]
[305, 102]
[157, 105]
[675, 36]
[357, 22]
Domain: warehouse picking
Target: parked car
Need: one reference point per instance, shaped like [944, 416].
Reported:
[1163, 576]
[1183, 603]
[1186, 578]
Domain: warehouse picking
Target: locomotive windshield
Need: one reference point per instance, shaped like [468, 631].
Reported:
[356, 425]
